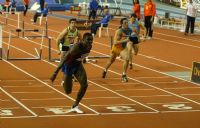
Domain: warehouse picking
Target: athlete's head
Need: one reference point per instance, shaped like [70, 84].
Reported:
[133, 17]
[87, 40]
[72, 23]
[124, 23]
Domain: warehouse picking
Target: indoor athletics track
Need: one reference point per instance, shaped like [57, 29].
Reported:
[159, 92]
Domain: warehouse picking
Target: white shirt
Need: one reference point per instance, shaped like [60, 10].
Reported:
[191, 9]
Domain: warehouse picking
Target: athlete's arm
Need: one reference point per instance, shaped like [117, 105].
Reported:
[61, 35]
[72, 52]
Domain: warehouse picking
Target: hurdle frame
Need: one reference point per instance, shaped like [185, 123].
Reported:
[50, 52]
[39, 54]
[23, 30]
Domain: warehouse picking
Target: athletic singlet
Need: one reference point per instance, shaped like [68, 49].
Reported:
[77, 59]
[124, 32]
[117, 48]
[135, 26]
[69, 37]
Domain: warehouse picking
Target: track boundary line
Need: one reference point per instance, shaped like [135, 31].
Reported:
[17, 101]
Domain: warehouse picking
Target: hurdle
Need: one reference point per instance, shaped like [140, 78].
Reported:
[51, 59]
[23, 30]
[38, 54]
[94, 58]
[9, 13]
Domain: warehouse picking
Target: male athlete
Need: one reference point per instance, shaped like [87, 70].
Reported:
[121, 48]
[67, 37]
[72, 63]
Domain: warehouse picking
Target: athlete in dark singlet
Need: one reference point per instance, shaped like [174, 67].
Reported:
[72, 63]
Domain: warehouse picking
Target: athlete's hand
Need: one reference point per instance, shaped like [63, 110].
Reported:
[53, 77]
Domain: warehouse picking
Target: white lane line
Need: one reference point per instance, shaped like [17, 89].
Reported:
[17, 80]
[43, 99]
[149, 57]
[94, 98]
[175, 42]
[21, 104]
[102, 105]
[17, 117]
[169, 103]
[155, 71]
[4, 100]
[149, 85]
[32, 92]
[121, 90]
[48, 85]
[173, 82]
[190, 94]
[10, 108]
[151, 96]
[125, 97]
[128, 113]
[72, 115]
[115, 92]
[22, 86]
[180, 111]
[130, 83]
[183, 88]
[52, 107]
[93, 91]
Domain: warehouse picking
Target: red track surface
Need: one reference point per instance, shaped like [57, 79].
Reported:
[152, 98]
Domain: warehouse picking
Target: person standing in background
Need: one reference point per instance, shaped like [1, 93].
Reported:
[42, 4]
[191, 12]
[149, 13]
[26, 3]
[94, 5]
[136, 8]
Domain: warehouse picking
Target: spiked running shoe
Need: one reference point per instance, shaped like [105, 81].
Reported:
[124, 78]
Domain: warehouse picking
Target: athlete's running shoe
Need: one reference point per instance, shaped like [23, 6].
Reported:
[76, 110]
[104, 74]
[124, 78]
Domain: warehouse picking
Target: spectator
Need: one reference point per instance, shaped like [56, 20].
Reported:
[6, 5]
[104, 21]
[42, 4]
[93, 9]
[26, 3]
[136, 8]
[191, 12]
[149, 13]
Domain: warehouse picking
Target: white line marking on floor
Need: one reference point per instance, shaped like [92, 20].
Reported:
[93, 98]
[179, 88]
[170, 103]
[152, 96]
[34, 114]
[53, 107]
[122, 83]
[33, 92]
[121, 90]
[111, 105]
[44, 99]
[4, 100]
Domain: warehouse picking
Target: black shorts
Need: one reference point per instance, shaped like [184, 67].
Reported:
[65, 48]
[134, 39]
